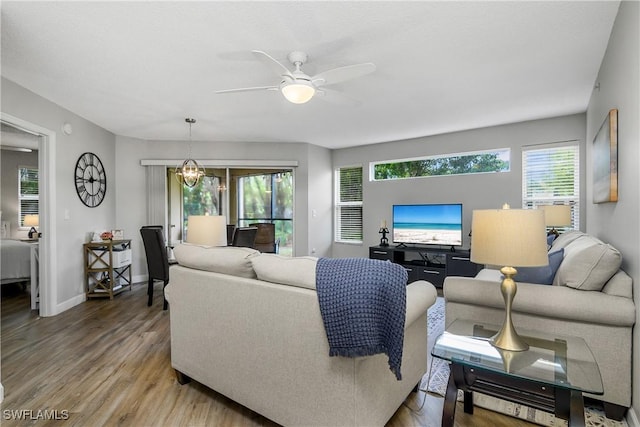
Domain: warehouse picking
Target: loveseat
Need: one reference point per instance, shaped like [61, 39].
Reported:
[248, 325]
[589, 296]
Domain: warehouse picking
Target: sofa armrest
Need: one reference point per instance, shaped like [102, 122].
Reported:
[420, 296]
[560, 302]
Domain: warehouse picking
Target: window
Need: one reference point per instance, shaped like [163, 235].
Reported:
[449, 164]
[551, 175]
[268, 197]
[201, 199]
[348, 193]
[27, 193]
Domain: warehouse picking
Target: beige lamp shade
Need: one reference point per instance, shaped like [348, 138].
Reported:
[31, 220]
[209, 230]
[556, 215]
[509, 237]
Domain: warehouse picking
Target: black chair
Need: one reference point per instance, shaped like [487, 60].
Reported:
[231, 228]
[157, 259]
[266, 237]
[245, 237]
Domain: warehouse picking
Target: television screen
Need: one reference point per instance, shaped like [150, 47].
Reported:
[431, 224]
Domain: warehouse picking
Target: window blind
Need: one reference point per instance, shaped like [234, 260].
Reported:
[349, 205]
[551, 175]
[27, 192]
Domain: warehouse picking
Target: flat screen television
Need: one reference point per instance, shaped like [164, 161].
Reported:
[428, 224]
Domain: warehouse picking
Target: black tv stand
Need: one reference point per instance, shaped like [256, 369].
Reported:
[428, 263]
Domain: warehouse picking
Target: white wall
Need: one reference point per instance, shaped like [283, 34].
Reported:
[618, 223]
[9, 205]
[477, 191]
[26, 105]
[312, 185]
[320, 201]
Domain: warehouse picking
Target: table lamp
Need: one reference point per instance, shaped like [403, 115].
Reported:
[209, 230]
[509, 237]
[32, 221]
[556, 216]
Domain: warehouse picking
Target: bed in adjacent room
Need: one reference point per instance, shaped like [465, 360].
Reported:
[15, 261]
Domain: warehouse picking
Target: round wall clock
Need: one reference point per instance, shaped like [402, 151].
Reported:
[91, 180]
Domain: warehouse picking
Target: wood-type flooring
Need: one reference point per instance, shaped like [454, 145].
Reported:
[108, 363]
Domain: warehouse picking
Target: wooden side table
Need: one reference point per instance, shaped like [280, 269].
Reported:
[107, 268]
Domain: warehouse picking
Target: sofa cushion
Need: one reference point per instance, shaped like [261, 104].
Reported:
[490, 275]
[233, 260]
[541, 275]
[620, 285]
[296, 271]
[588, 264]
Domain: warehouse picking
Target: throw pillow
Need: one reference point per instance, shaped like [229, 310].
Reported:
[588, 265]
[565, 239]
[293, 271]
[541, 275]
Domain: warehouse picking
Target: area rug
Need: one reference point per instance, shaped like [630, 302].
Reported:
[438, 375]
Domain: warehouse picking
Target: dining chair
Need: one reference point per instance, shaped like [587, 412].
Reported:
[245, 236]
[231, 229]
[266, 237]
[157, 260]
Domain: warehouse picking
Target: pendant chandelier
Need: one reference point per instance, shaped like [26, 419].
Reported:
[189, 172]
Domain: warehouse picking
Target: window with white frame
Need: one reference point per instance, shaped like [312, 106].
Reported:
[27, 193]
[348, 202]
[551, 176]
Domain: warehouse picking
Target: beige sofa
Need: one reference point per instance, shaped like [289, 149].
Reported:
[248, 326]
[590, 297]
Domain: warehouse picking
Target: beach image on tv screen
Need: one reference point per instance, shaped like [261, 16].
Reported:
[428, 224]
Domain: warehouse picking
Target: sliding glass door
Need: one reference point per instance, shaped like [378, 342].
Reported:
[268, 197]
[253, 195]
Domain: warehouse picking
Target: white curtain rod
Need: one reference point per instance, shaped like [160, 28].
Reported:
[225, 163]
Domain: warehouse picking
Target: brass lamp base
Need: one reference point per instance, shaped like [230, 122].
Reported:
[507, 338]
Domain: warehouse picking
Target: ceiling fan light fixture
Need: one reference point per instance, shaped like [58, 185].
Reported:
[298, 92]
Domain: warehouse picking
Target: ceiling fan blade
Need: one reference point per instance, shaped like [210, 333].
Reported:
[247, 89]
[342, 74]
[338, 98]
[273, 63]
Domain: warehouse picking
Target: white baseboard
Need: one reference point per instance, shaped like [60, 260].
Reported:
[139, 278]
[632, 418]
[72, 302]
[79, 299]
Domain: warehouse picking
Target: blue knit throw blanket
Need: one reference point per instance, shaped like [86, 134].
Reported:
[363, 305]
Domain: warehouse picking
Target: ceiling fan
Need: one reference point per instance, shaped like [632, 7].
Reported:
[296, 86]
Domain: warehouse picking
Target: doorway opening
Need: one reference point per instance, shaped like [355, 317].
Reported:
[42, 141]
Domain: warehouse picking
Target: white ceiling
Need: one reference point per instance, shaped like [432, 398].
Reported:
[138, 69]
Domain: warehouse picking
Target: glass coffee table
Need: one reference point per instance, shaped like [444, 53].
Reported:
[550, 376]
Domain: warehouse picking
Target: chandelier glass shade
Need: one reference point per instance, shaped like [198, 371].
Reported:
[189, 172]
